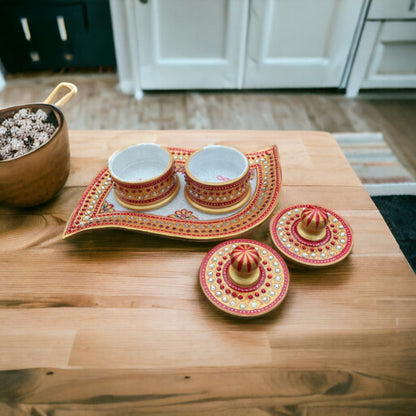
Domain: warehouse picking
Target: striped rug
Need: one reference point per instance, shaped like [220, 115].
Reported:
[375, 164]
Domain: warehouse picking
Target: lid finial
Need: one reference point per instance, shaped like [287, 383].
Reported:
[244, 269]
[313, 223]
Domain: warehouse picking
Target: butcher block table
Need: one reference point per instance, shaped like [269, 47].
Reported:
[114, 322]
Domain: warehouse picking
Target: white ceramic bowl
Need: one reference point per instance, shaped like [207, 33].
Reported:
[217, 179]
[143, 176]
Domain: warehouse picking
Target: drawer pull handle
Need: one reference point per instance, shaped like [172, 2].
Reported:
[62, 28]
[25, 27]
[412, 6]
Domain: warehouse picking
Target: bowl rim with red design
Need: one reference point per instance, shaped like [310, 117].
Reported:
[143, 175]
[217, 179]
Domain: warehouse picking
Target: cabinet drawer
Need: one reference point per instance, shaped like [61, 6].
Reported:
[392, 9]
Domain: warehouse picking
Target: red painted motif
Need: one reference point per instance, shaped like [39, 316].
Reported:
[245, 258]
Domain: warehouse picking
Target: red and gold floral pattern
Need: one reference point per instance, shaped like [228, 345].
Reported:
[88, 214]
[107, 207]
[183, 214]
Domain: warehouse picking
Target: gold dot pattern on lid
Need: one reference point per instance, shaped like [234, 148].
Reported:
[261, 296]
[330, 246]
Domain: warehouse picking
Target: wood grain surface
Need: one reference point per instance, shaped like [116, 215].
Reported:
[113, 322]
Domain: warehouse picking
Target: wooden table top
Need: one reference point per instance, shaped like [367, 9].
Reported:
[114, 322]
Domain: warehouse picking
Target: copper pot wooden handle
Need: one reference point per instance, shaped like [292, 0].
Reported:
[72, 91]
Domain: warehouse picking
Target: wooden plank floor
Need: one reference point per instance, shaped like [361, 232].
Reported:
[100, 105]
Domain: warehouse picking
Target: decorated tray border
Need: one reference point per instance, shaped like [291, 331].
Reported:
[257, 300]
[333, 248]
[95, 212]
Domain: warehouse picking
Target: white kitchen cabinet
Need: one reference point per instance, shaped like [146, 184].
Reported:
[299, 43]
[185, 44]
[233, 44]
[386, 55]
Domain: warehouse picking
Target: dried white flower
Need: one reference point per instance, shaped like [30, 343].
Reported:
[25, 131]
[41, 115]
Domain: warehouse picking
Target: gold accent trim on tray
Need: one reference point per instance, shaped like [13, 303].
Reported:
[95, 211]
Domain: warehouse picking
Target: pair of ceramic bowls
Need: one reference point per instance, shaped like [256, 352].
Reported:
[217, 178]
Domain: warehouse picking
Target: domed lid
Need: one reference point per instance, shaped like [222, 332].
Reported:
[311, 235]
[244, 277]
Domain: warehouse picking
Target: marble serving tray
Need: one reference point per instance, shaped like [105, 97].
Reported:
[99, 209]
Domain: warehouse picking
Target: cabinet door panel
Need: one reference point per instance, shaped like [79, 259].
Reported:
[299, 43]
[185, 44]
[393, 60]
[185, 37]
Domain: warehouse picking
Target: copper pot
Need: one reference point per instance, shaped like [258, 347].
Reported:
[35, 177]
